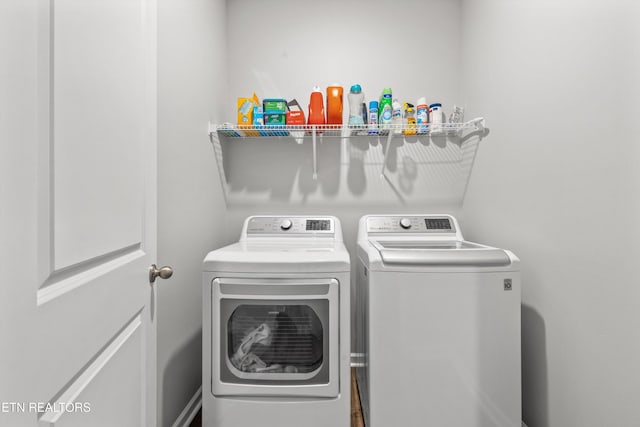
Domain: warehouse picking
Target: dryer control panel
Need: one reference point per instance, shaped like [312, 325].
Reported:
[282, 225]
[411, 224]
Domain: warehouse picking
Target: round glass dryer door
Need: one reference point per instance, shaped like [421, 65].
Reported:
[271, 342]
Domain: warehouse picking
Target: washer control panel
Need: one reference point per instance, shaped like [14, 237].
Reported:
[290, 225]
[410, 224]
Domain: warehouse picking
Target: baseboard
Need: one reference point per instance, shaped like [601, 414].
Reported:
[193, 406]
[190, 411]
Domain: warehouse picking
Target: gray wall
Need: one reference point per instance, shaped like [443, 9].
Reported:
[558, 181]
[191, 82]
[343, 42]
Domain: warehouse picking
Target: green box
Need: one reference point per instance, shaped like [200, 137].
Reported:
[274, 119]
[274, 106]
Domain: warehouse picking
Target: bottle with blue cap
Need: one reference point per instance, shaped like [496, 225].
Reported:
[356, 99]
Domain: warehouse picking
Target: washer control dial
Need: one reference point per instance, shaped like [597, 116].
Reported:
[286, 224]
[405, 223]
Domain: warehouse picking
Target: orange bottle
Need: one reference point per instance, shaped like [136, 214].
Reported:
[316, 108]
[334, 105]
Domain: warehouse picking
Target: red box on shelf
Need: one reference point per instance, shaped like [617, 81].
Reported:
[295, 118]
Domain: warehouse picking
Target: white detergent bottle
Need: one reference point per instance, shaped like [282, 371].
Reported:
[436, 118]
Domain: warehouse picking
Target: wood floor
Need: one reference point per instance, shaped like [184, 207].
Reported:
[356, 409]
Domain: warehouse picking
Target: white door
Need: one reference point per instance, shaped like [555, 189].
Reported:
[77, 212]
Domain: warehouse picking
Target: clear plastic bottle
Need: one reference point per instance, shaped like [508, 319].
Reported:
[457, 115]
[356, 99]
[396, 116]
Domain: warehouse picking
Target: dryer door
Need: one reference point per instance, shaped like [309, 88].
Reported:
[275, 337]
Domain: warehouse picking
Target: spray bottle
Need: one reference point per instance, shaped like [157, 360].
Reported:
[410, 115]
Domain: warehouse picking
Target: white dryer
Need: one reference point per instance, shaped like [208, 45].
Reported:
[438, 326]
[276, 331]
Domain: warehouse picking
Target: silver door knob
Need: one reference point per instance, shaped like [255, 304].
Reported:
[163, 272]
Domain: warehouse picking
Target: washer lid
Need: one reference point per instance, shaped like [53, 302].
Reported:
[440, 253]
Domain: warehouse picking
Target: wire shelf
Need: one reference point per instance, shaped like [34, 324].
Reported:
[343, 131]
[300, 133]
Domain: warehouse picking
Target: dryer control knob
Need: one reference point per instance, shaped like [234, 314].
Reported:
[405, 223]
[286, 224]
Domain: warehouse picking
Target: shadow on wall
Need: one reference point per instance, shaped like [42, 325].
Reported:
[279, 170]
[535, 387]
[181, 379]
[356, 178]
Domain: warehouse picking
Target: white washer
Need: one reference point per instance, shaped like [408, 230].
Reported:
[276, 328]
[438, 326]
